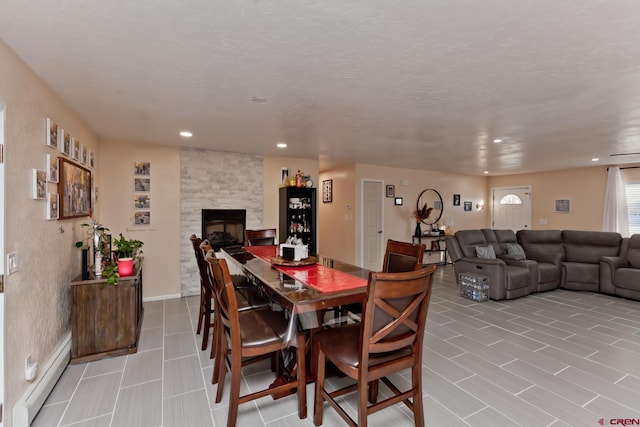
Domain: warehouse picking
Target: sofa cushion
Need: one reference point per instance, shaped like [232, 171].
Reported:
[589, 246]
[541, 245]
[468, 240]
[515, 250]
[491, 239]
[628, 278]
[485, 252]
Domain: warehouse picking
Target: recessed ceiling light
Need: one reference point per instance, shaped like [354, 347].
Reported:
[281, 145]
[186, 134]
[485, 172]
[497, 141]
[595, 159]
[258, 100]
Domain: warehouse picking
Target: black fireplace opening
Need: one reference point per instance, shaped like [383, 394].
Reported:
[224, 227]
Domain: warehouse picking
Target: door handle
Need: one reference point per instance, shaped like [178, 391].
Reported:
[379, 231]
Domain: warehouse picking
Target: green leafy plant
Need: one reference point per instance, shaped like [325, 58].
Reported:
[96, 233]
[110, 273]
[127, 248]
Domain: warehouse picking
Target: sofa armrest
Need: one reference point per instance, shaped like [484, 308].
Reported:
[608, 267]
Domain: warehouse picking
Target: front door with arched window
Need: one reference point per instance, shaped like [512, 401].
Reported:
[511, 208]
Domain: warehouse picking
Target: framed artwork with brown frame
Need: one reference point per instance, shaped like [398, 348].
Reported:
[74, 189]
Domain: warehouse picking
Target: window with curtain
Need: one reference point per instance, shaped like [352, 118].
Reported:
[633, 207]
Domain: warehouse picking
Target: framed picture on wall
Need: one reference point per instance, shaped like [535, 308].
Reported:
[74, 189]
[52, 206]
[456, 200]
[142, 218]
[327, 191]
[391, 191]
[142, 168]
[52, 168]
[65, 142]
[52, 134]
[467, 206]
[562, 205]
[142, 184]
[39, 184]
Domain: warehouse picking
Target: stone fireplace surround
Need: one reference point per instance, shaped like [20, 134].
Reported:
[214, 180]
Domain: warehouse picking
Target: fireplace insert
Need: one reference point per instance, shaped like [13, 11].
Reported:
[224, 227]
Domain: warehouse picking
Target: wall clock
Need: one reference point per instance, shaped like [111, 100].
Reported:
[327, 191]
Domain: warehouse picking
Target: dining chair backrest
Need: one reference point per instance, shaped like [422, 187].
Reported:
[395, 312]
[227, 304]
[402, 256]
[195, 242]
[264, 237]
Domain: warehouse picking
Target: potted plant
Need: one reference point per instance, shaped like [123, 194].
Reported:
[126, 250]
[97, 236]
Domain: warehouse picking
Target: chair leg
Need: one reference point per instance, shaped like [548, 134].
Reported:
[219, 371]
[207, 324]
[362, 403]
[201, 313]
[234, 393]
[318, 400]
[373, 391]
[302, 377]
[416, 383]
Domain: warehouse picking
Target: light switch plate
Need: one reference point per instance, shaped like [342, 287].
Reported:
[12, 262]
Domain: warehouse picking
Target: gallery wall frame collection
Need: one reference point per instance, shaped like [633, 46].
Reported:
[65, 167]
[142, 193]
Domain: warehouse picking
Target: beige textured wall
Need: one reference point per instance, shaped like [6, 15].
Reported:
[37, 296]
[271, 183]
[161, 268]
[337, 219]
[585, 187]
[398, 222]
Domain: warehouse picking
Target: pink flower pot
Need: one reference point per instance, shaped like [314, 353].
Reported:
[125, 267]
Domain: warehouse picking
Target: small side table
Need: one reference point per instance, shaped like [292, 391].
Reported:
[435, 245]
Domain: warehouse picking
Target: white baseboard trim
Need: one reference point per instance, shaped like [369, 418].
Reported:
[30, 403]
[161, 298]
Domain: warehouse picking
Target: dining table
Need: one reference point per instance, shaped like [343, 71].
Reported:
[305, 290]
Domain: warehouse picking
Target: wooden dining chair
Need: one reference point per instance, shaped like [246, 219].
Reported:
[388, 340]
[264, 237]
[206, 305]
[398, 257]
[251, 334]
[402, 256]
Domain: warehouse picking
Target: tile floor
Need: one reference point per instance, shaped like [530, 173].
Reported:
[558, 358]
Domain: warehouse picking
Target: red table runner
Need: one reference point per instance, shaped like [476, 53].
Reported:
[319, 277]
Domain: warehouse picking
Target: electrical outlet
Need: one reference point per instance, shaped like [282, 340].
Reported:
[12, 262]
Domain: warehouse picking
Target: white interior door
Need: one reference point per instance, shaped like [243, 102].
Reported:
[372, 225]
[511, 208]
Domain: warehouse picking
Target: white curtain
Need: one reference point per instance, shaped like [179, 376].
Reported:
[616, 217]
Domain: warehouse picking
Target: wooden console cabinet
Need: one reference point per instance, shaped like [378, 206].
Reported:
[105, 319]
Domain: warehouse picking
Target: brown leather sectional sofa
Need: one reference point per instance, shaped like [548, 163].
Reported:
[528, 261]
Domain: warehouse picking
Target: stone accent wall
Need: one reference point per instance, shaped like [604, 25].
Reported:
[214, 180]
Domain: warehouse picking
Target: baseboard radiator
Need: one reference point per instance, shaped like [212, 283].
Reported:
[28, 406]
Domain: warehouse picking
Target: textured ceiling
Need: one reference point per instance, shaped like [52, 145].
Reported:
[424, 84]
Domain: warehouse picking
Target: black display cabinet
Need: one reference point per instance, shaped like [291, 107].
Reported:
[298, 215]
